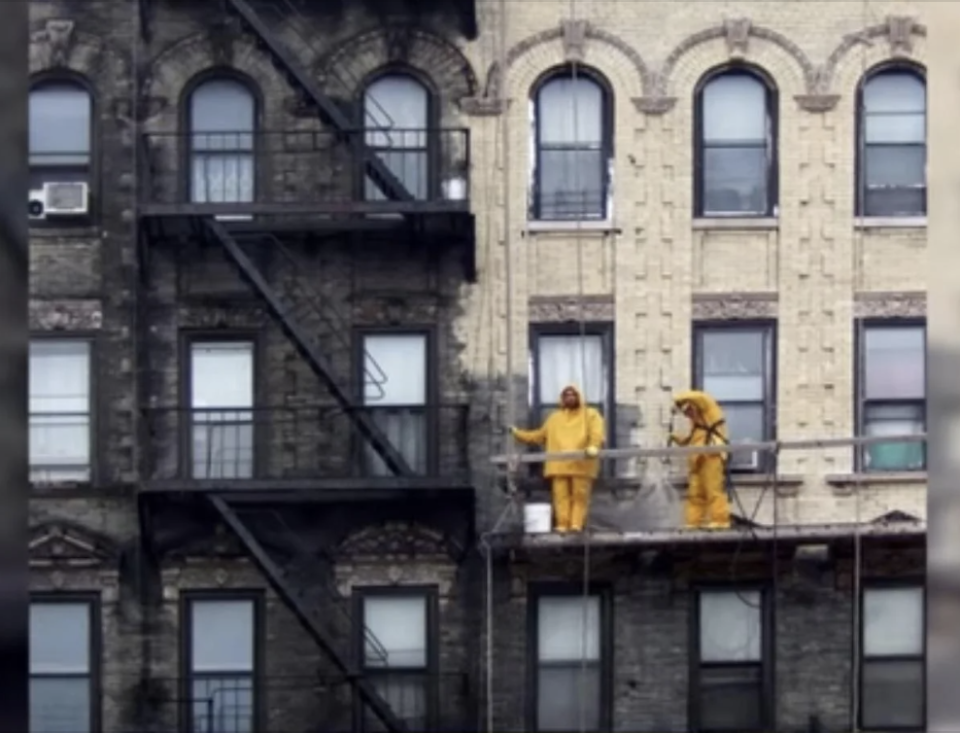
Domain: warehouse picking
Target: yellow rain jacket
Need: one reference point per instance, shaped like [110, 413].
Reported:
[708, 428]
[568, 430]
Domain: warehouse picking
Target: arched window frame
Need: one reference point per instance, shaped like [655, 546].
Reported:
[598, 207]
[770, 206]
[80, 167]
[868, 206]
[235, 153]
[412, 158]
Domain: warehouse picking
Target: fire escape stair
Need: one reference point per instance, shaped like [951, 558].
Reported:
[307, 618]
[298, 77]
[283, 311]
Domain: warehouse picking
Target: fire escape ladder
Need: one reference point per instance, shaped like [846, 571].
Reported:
[314, 304]
[283, 313]
[375, 168]
[275, 576]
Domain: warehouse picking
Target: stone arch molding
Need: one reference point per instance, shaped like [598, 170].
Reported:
[397, 539]
[218, 46]
[900, 34]
[56, 44]
[574, 36]
[342, 70]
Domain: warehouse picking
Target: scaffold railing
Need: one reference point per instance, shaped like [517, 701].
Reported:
[769, 446]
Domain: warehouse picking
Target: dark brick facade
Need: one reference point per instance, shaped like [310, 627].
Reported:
[94, 280]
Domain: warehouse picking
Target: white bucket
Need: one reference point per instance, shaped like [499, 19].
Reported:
[537, 518]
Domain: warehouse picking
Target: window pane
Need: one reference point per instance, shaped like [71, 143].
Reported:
[745, 424]
[223, 636]
[220, 178]
[894, 91]
[396, 101]
[735, 180]
[221, 375]
[894, 420]
[895, 363]
[396, 630]
[59, 448]
[570, 112]
[564, 625]
[411, 168]
[406, 694]
[893, 620]
[895, 127]
[568, 698]
[895, 202]
[574, 360]
[730, 699]
[222, 106]
[223, 444]
[396, 369]
[59, 375]
[570, 184]
[734, 109]
[893, 695]
[59, 125]
[733, 364]
[895, 166]
[59, 638]
[222, 704]
[730, 626]
[59, 705]
[406, 430]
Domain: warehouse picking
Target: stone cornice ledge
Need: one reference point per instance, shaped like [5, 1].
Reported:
[654, 105]
[847, 483]
[787, 484]
[817, 102]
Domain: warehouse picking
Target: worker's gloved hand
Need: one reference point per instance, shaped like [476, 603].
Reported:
[592, 452]
[512, 430]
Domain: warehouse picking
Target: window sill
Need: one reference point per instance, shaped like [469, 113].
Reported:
[765, 223]
[787, 484]
[890, 222]
[68, 231]
[605, 226]
[847, 483]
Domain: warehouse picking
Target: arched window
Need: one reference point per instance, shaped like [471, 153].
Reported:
[396, 112]
[59, 118]
[222, 126]
[573, 146]
[892, 130]
[736, 155]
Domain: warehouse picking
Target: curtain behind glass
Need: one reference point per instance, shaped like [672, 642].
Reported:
[396, 111]
[223, 120]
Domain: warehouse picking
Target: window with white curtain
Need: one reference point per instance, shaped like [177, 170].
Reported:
[60, 427]
[572, 147]
[892, 679]
[569, 663]
[396, 111]
[893, 387]
[222, 127]
[60, 134]
[395, 393]
[730, 661]
[736, 155]
[221, 407]
[893, 135]
[396, 654]
[560, 359]
[222, 664]
[734, 365]
[61, 667]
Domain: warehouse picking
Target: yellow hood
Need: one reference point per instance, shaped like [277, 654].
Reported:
[708, 408]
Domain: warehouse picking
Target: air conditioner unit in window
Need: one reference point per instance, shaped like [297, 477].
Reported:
[36, 205]
[66, 199]
[745, 460]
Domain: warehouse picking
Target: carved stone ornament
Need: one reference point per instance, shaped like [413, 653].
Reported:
[817, 102]
[574, 38]
[734, 305]
[59, 38]
[890, 305]
[394, 539]
[59, 544]
[737, 35]
[480, 106]
[222, 36]
[900, 31]
[654, 106]
[396, 43]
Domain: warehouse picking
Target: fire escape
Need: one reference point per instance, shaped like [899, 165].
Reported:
[248, 233]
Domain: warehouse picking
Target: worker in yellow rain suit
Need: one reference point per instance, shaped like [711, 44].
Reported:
[707, 502]
[575, 426]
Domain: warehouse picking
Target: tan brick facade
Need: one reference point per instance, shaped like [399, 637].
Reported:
[815, 266]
